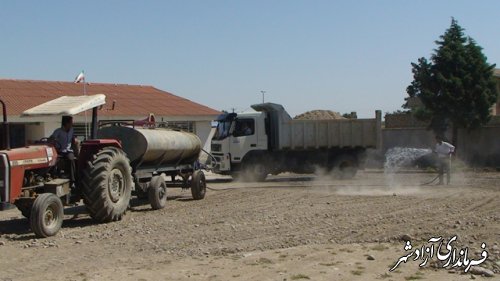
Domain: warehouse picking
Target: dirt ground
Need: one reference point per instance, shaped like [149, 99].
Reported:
[291, 227]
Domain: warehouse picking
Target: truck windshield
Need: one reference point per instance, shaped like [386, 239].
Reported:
[222, 130]
[224, 122]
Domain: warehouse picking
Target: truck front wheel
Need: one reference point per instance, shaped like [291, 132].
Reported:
[107, 185]
[253, 171]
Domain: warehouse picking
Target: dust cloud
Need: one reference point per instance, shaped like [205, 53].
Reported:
[405, 171]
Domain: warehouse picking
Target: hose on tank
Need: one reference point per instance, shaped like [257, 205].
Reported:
[213, 160]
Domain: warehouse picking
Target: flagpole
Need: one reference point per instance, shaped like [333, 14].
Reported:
[86, 121]
[78, 79]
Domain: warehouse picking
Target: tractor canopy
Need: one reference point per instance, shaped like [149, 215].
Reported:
[66, 105]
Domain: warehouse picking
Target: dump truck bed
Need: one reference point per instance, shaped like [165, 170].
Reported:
[306, 134]
[289, 134]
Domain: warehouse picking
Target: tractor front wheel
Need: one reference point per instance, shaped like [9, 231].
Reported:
[46, 215]
[107, 185]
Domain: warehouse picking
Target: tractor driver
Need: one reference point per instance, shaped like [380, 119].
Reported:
[64, 142]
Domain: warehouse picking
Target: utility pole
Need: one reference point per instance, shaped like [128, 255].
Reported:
[263, 93]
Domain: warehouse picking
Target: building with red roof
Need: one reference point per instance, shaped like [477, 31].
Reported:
[123, 102]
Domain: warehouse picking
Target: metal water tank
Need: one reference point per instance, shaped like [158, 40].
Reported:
[156, 146]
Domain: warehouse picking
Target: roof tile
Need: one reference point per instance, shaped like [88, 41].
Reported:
[130, 100]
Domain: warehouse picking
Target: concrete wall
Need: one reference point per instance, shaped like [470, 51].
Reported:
[407, 137]
[480, 147]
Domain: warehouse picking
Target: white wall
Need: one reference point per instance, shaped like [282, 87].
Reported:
[37, 128]
[34, 132]
[203, 130]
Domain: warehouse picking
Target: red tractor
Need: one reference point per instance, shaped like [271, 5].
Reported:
[109, 169]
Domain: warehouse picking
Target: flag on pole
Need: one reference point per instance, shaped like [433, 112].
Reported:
[80, 77]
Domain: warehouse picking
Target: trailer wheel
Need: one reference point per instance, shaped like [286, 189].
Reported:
[198, 185]
[157, 193]
[46, 215]
[107, 185]
[345, 167]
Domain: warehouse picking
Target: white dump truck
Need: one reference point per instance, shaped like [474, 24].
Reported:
[250, 146]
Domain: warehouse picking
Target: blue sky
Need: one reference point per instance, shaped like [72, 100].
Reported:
[338, 55]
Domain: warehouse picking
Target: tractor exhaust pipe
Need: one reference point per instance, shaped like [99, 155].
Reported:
[5, 128]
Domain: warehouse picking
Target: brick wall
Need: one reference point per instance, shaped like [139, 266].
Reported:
[403, 120]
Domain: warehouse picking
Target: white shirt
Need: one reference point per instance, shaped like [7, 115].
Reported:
[444, 149]
[63, 139]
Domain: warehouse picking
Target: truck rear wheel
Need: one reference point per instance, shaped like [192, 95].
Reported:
[46, 215]
[107, 185]
[345, 167]
[198, 185]
[157, 193]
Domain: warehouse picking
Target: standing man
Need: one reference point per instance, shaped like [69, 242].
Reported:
[443, 151]
[64, 143]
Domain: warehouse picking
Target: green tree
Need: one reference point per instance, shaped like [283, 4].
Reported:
[456, 87]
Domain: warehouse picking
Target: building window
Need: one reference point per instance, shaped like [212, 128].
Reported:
[17, 135]
[187, 126]
[79, 130]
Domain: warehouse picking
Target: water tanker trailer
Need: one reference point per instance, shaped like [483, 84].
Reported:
[157, 154]
[114, 163]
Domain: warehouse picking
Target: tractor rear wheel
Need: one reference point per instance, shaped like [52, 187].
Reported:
[46, 215]
[157, 193]
[198, 185]
[107, 185]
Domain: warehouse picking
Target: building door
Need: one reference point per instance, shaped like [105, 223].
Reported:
[17, 135]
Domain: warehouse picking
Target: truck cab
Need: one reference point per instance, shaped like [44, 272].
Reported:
[236, 137]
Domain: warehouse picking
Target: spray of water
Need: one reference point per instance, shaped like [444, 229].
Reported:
[399, 158]
[402, 157]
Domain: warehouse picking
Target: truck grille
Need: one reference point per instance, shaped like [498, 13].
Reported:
[216, 147]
